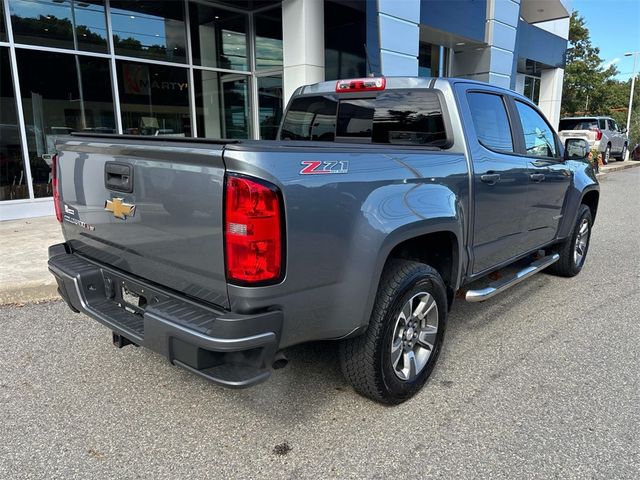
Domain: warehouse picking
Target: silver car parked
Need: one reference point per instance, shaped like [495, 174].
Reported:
[602, 133]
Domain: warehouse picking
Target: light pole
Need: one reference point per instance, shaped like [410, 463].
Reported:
[633, 84]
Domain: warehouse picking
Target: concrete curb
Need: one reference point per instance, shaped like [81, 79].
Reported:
[616, 168]
[31, 292]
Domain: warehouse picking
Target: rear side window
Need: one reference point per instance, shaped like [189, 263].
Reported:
[399, 117]
[579, 124]
[602, 123]
[490, 121]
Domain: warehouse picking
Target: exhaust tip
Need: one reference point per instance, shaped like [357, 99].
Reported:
[279, 361]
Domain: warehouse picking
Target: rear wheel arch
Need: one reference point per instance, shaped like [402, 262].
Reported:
[440, 250]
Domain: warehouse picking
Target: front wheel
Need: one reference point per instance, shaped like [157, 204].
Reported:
[623, 153]
[573, 251]
[392, 360]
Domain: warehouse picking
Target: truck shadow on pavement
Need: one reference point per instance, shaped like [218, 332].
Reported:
[313, 381]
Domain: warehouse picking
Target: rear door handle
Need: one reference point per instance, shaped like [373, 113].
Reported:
[537, 177]
[118, 176]
[490, 178]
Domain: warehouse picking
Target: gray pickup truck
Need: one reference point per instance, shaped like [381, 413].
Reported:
[382, 200]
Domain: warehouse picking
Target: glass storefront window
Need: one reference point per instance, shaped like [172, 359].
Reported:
[218, 37]
[268, 26]
[3, 29]
[345, 35]
[149, 29]
[270, 99]
[532, 88]
[13, 177]
[428, 60]
[68, 24]
[154, 99]
[222, 105]
[61, 93]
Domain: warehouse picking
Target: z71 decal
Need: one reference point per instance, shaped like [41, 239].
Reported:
[316, 167]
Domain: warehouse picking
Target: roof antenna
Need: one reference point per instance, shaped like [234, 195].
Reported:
[368, 62]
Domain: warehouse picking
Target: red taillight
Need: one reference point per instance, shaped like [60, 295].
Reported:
[55, 187]
[252, 231]
[599, 134]
[361, 84]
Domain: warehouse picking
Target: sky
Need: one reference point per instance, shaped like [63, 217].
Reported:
[614, 26]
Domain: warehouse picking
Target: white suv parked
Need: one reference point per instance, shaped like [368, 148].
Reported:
[602, 133]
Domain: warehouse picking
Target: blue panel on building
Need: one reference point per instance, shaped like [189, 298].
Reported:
[466, 18]
[507, 12]
[501, 61]
[398, 35]
[536, 44]
[395, 64]
[504, 36]
[405, 9]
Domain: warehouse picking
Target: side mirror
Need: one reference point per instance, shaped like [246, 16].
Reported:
[623, 130]
[576, 149]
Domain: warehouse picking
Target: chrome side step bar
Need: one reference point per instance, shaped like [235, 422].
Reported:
[501, 285]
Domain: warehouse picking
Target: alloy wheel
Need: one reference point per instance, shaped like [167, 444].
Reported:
[414, 336]
[582, 240]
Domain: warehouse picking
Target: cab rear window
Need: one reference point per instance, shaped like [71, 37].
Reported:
[578, 124]
[399, 117]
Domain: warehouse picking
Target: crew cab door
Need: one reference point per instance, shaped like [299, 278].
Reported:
[617, 139]
[549, 176]
[499, 176]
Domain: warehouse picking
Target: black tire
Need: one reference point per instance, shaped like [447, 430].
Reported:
[366, 359]
[623, 153]
[606, 155]
[567, 265]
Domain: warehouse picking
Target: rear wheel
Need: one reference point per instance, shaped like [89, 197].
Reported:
[606, 156]
[573, 251]
[392, 360]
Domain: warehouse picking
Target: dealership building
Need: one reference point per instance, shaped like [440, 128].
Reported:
[201, 68]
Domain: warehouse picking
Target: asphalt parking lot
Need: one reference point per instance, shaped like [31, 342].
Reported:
[541, 382]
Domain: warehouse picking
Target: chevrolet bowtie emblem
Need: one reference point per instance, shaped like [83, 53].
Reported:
[119, 208]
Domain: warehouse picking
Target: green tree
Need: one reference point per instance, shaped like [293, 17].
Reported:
[586, 82]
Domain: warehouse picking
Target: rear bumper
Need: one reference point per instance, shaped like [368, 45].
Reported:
[224, 347]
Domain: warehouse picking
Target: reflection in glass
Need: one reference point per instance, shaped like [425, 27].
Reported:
[310, 118]
[532, 88]
[154, 99]
[270, 101]
[77, 97]
[355, 117]
[13, 181]
[538, 135]
[218, 37]
[490, 121]
[409, 118]
[149, 29]
[222, 105]
[69, 24]
[268, 26]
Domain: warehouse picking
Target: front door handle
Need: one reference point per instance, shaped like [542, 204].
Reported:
[490, 178]
[537, 177]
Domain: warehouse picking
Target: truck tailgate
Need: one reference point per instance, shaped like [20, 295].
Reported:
[149, 208]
